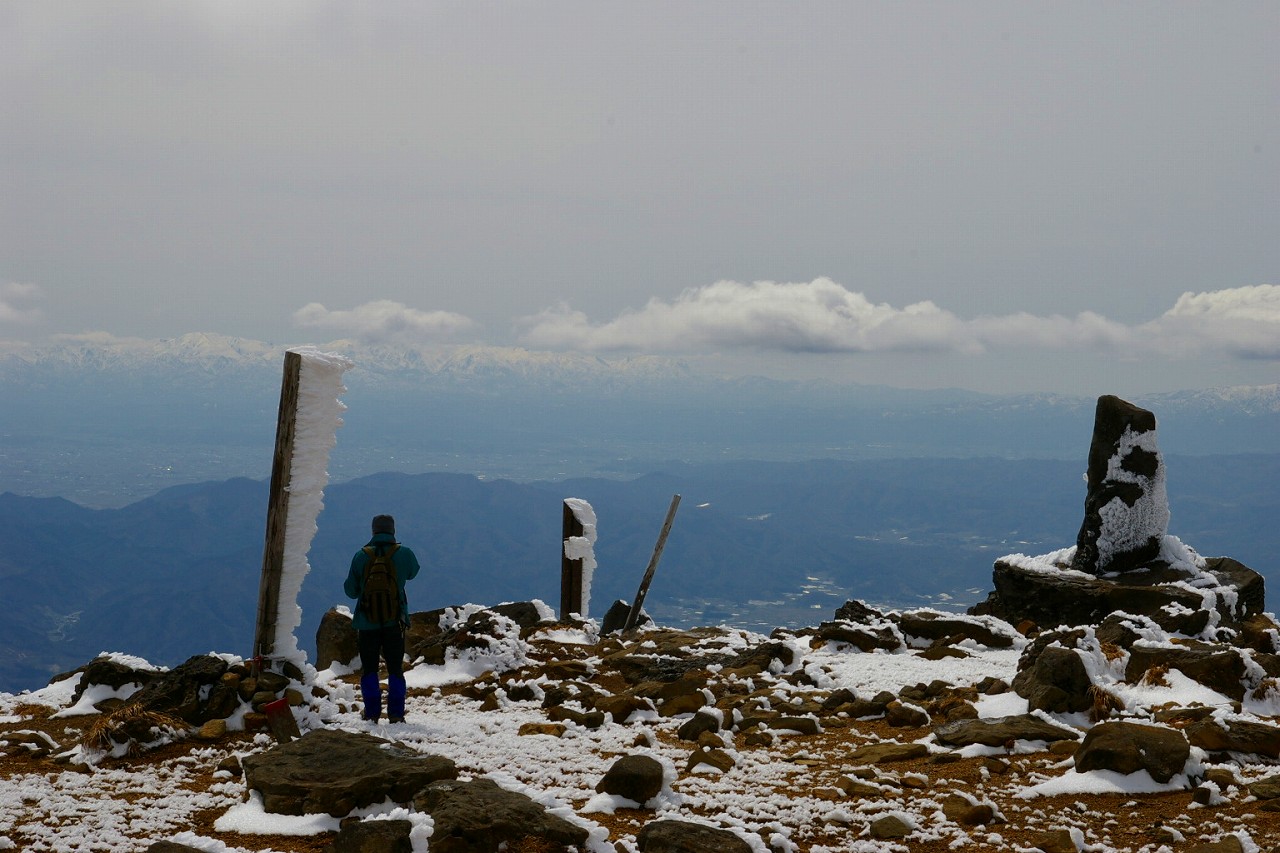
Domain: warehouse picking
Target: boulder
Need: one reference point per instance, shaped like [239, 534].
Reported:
[1129, 747]
[1126, 510]
[487, 630]
[1159, 593]
[864, 638]
[192, 691]
[999, 731]
[1217, 667]
[855, 610]
[682, 836]
[930, 625]
[694, 727]
[109, 673]
[888, 751]
[1267, 788]
[476, 816]
[1056, 681]
[615, 618]
[761, 658]
[635, 777]
[523, 613]
[1232, 735]
[333, 772]
[337, 641]
[372, 836]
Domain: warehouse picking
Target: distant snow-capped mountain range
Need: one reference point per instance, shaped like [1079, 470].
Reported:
[204, 351]
[208, 354]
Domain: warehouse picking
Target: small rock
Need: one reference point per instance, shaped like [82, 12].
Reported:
[852, 787]
[636, 777]
[901, 715]
[995, 765]
[1057, 841]
[890, 826]
[1266, 789]
[716, 758]
[231, 764]
[1227, 844]
[212, 730]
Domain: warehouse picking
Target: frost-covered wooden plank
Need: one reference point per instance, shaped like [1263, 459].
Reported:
[579, 558]
[306, 431]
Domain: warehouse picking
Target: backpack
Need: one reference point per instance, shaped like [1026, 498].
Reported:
[380, 593]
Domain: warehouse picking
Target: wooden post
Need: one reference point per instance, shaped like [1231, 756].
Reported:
[277, 509]
[570, 570]
[634, 615]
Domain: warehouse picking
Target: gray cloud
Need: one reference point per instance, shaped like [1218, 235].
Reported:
[19, 303]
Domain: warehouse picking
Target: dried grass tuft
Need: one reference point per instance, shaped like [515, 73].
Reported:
[1103, 703]
[1155, 675]
[1266, 688]
[1112, 652]
[128, 726]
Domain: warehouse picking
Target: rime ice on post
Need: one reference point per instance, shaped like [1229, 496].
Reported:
[310, 414]
[1126, 508]
[580, 547]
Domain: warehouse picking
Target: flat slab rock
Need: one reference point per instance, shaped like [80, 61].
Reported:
[333, 772]
[477, 816]
[682, 836]
[1001, 730]
[1050, 599]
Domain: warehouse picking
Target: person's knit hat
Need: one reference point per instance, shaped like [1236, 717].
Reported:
[384, 524]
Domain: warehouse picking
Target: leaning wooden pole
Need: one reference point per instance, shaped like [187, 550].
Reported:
[277, 509]
[634, 615]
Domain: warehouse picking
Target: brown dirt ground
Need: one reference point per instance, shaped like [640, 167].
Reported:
[1121, 822]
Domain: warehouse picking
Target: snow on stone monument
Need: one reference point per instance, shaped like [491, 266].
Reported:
[1126, 510]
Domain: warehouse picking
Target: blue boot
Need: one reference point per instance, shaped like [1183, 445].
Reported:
[371, 692]
[396, 690]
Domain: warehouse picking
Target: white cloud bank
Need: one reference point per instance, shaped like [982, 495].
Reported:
[823, 316]
[1244, 321]
[18, 303]
[383, 319]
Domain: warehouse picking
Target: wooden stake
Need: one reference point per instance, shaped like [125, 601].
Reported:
[634, 615]
[570, 570]
[277, 509]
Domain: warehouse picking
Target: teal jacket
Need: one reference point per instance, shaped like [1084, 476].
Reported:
[406, 570]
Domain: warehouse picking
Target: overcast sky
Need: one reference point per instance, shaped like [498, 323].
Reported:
[1078, 196]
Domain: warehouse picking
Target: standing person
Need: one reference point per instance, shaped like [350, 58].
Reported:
[376, 580]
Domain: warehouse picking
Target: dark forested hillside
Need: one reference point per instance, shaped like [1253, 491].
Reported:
[754, 544]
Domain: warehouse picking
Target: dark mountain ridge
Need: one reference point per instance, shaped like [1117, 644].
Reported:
[755, 544]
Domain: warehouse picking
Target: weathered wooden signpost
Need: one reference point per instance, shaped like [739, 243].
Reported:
[277, 511]
[306, 429]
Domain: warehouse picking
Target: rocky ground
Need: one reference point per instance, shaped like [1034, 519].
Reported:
[860, 735]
